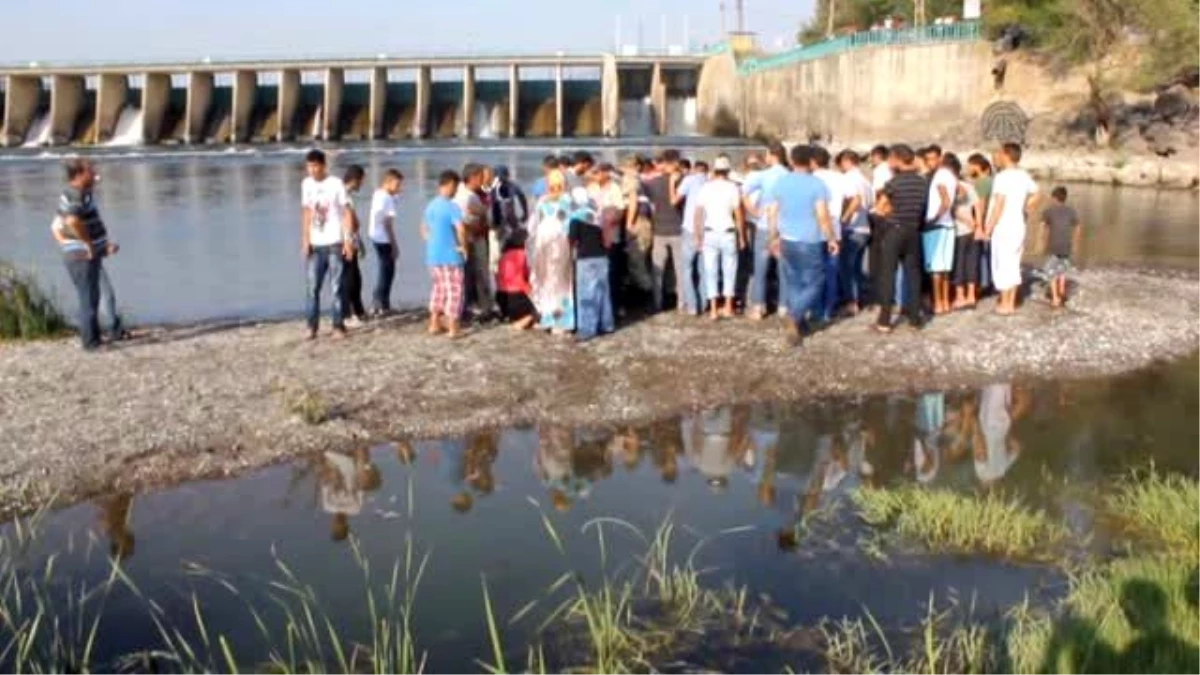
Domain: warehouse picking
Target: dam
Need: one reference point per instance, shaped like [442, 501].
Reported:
[357, 99]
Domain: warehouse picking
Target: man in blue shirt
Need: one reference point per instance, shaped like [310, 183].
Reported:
[801, 231]
[756, 189]
[549, 163]
[445, 253]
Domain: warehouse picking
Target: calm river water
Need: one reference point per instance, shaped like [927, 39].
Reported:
[216, 235]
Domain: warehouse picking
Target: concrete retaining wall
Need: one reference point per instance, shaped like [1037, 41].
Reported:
[886, 92]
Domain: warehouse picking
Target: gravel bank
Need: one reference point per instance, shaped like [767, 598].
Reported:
[215, 400]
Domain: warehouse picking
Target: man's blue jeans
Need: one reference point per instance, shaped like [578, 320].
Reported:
[758, 282]
[85, 276]
[693, 294]
[853, 279]
[385, 273]
[831, 295]
[720, 263]
[803, 272]
[325, 261]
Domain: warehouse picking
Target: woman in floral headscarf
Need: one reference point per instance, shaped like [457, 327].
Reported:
[553, 275]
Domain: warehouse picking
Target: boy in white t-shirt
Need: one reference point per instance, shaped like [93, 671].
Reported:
[326, 228]
[382, 232]
[1013, 194]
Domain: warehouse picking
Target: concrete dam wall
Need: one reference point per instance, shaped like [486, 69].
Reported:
[263, 102]
[894, 92]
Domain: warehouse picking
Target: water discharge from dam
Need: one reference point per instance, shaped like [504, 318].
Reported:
[39, 132]
[129, 128]
[485, 120]
[637, 118]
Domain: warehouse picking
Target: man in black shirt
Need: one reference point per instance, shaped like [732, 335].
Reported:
[903, 205]
[668, 225]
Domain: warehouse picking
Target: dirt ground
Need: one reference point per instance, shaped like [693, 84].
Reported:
[215, 400]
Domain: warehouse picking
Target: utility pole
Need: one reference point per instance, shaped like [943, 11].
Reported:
[724, 26]
[741, 16]
[919, 12]
[830, 13]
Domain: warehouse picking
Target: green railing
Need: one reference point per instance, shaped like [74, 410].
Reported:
[955, 32]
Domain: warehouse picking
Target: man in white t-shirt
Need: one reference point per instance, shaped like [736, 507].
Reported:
[856, 235]
[881, 169]
[1013, 194]
[475, 220]
[720, 227]
[937, 236]
[325, 239]
[689, 191]
[384, 204]
[843, 202]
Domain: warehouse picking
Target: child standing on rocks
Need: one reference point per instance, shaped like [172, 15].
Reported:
[445, 253]
[1061, 232]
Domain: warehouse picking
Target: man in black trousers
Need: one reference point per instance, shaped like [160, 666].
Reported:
[905, 198]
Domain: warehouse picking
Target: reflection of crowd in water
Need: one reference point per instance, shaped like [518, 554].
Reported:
[794, 464]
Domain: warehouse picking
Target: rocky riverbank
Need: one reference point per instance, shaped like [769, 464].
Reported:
[212, 401]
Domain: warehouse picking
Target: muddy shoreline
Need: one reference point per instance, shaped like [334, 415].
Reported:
[216, 400]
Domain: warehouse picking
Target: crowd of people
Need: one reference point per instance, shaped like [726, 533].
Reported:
[915, 230]
[812, 235]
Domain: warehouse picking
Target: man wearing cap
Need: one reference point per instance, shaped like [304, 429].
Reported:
[720, 233]
[84, 242]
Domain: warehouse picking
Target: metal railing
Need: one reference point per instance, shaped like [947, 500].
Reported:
[964, 31]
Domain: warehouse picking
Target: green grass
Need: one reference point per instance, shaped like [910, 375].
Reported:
[26, 312]
[1159, 509]
[950, 522]
[940, 644]
[1131, 615]
[307, 404]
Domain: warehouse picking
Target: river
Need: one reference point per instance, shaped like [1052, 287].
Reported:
[215, 235]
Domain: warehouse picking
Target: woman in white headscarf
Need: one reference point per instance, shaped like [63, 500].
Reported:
[553, 273]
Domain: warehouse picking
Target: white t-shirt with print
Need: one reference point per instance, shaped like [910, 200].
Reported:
[942, 178]
[839, 193]
[719, 199]
[383, 206]
[328, 200]
[1017, 186]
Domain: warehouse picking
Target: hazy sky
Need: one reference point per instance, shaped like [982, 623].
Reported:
[74, 30]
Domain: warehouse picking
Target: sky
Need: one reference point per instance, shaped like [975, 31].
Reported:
[94, 30]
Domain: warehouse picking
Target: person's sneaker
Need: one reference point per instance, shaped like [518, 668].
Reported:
[354, 322]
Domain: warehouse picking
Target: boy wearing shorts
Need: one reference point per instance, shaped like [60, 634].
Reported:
[445, 253]
[1061, 232]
